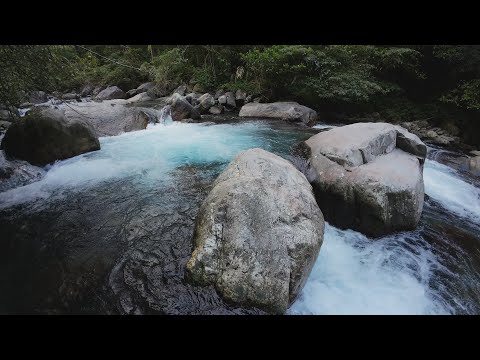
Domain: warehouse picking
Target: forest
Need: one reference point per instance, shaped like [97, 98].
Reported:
[348, 83]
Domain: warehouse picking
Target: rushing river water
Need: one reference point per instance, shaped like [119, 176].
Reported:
[110, 232]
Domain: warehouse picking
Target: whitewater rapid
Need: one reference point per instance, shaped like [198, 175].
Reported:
[397, 274]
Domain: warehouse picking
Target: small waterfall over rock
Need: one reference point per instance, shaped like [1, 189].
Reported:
[164, 115]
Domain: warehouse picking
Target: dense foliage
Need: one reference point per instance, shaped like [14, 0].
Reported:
[427, 81]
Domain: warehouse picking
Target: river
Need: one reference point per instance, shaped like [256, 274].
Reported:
[109, 232]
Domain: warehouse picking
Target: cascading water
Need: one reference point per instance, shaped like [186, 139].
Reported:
[165, 116]
[110, 232]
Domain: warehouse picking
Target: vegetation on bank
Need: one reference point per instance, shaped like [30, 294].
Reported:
[438, 83]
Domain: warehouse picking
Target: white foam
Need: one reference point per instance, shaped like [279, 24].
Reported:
[148, 155]
[357, 275]
[445, 185]
[323, 126]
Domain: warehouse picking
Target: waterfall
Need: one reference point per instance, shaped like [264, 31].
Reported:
[164, 115]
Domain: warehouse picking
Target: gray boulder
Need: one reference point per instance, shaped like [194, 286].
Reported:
[368, 177]
[111, 117]
[6, 115]
[17, 173]
[219, 93]
[205, 102]
[289, 111]
[240, 98]
[192, 98]
[432, 134]
[131, 93]
[216, 110]
[87, 90]
[181, 110]
[111, 92]
[181, 90]
[145, 87]
[199, 88]
[157, 91]
[474, 165]
[139, 97]
[97, 90]
[25, 105]
[46, 135]
[38, 97]
[258, 233]
[70, 96]
[228, 100]
[4, 125]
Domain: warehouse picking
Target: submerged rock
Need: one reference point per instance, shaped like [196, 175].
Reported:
[258, 233]
[46, 135]
[368, 177]
[289, 111]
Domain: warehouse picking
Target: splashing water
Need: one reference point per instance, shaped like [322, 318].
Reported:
[445, 185]
[355, 275]
[149, 156]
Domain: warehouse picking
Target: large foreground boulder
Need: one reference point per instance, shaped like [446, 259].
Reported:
[289, 111]
[46, 135]
[111, 92]
[368, 177]
[258, 233]
[112, 117]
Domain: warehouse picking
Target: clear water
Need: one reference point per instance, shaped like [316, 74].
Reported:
[433, 270]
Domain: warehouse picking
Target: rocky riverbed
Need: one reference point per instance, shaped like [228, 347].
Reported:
[113, 230]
